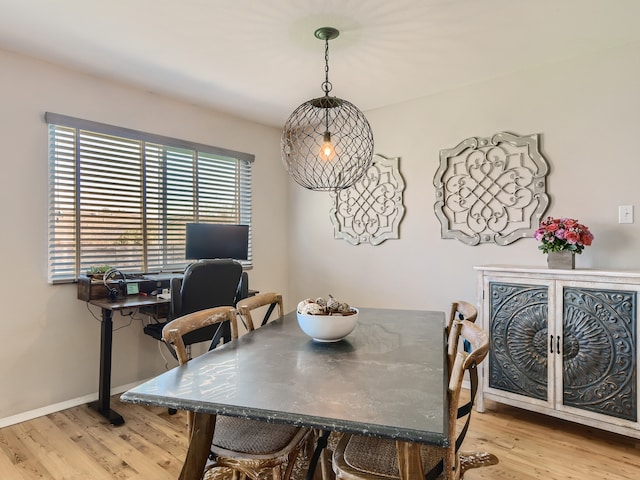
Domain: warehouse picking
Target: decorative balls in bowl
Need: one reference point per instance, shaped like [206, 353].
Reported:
[326, 320]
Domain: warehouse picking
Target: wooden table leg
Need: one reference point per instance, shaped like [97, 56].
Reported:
[409, 460]
[323, 468]
[199, 447]
[318, 462]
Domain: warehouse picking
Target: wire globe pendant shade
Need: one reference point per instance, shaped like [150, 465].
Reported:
[327, 143]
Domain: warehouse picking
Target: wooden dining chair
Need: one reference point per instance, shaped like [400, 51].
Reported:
[461, 310]
[245, 447]
[370, 458]
[246, 305]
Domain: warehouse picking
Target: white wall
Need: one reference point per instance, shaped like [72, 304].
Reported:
[588, 113]
[587, 110]
[49, 341]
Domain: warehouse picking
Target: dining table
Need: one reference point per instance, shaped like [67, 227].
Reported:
[387, 378]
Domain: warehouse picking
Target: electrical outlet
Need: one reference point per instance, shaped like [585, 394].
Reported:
[625, 214]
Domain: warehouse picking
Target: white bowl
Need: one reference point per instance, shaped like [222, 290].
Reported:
[328, 328]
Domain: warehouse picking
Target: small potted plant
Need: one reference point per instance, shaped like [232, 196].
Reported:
[561, 239]
[97, 271]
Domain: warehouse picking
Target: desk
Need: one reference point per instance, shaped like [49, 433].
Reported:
[108, 306]
[387, 378]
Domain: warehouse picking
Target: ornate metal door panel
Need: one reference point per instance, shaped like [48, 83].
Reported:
[518, 359]
[599, 351]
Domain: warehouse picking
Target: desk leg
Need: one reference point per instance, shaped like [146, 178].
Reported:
[104, 388]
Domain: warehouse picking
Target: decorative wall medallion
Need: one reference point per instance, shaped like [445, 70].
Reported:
[371, 210]
[491, 190]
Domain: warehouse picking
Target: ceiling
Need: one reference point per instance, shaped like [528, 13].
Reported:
[259, 59]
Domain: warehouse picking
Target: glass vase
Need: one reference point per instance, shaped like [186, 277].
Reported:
[563, 260]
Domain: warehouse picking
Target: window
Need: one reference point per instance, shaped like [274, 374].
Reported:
[122, 197]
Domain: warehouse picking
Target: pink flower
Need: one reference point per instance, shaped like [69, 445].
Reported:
[552, 227]
[569, 223]
[572, 237]
[586, 238]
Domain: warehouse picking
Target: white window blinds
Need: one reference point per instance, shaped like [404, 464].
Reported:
[122, 197]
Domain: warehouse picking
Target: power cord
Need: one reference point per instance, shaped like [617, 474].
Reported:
[131, 316]
[99, 319]
[166, 361]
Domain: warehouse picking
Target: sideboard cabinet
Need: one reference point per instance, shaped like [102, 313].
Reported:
[563, 343]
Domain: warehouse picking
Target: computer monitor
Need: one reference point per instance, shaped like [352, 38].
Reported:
[217, 240]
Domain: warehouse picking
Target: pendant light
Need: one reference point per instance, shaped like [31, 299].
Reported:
[327, 143]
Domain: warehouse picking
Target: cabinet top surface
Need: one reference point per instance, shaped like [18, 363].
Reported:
[550, 272]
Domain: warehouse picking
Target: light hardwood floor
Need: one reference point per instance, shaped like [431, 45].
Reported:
[78, 444]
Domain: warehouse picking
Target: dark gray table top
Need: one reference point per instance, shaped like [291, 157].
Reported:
[387, 378]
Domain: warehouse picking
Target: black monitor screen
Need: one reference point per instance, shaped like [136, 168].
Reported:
[217, 240]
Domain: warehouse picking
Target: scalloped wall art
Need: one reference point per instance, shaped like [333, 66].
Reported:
[491, 190]
[371, 210]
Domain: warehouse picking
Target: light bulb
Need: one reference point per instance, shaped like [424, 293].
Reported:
[327, 151]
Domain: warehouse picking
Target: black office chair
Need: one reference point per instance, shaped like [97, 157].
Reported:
[205, 284]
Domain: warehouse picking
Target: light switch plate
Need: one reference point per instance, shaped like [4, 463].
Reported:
[625, 214]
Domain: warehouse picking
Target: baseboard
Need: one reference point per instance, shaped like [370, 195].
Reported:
[57, 407]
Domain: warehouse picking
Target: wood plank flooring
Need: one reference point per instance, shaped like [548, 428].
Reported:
[78, 444]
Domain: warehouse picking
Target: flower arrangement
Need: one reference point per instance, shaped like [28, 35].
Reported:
[558, 234]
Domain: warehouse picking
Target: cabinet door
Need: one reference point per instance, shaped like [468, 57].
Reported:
[518, 327]
[599, 349]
